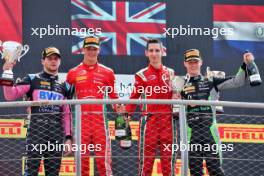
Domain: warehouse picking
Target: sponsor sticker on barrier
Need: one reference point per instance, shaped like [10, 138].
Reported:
[12, 128]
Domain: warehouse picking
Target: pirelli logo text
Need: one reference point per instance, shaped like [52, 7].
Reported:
[242, 133]
[12, 128]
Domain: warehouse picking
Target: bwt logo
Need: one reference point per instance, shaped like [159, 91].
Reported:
[49, 95]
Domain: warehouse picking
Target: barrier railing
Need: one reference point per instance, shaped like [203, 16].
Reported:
[245, 132]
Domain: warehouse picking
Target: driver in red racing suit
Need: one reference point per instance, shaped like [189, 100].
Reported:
[94, 81]
[157, 126]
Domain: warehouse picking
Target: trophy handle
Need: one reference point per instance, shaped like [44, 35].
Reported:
[24, 51]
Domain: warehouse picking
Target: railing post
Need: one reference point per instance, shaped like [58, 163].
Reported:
[183, 141]
[78, 138]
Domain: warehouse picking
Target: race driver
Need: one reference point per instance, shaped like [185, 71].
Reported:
[202, 127]
[93, 80]
[49, 124]
[157, 128]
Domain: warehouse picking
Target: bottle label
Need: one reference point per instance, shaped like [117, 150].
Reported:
[120, 132]
[176, 108]
[125, 143]
[255, 77]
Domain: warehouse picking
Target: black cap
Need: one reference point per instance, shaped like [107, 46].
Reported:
[91, 41]
[192, 54]
[49, 51]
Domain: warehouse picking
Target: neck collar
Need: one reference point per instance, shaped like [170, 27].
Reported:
[196, 78]
[47, 75]
[156, 69]
[90, 67]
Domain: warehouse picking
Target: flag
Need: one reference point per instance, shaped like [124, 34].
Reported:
[11, 20]
[247, 24]
[124, 27]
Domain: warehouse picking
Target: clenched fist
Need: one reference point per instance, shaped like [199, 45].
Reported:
[248, 58]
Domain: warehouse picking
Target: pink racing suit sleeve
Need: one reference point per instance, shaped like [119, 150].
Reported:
[67, 115]
[67, 120]
[12, 93]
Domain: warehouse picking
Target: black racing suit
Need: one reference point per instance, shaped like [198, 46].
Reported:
[202, 128]
[48, 123]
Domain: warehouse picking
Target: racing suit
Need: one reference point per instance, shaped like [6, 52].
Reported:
[201, 120]
[48, 123]
[94, 82]
[157, 125]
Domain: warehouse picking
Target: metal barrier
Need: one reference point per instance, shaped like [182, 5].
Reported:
[247, 138]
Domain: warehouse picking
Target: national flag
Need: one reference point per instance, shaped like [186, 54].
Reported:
[125, 26]
[11, 20]
[247, 22]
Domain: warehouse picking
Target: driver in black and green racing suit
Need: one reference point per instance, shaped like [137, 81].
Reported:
[202, 129]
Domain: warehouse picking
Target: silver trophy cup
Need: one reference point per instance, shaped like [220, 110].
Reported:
[177, 84]
[11, 52]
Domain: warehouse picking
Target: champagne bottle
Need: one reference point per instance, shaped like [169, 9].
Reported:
[253, 73]
[120, 127]
[126, 142]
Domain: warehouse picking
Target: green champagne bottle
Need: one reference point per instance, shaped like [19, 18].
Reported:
[120, 127]
[126, 142]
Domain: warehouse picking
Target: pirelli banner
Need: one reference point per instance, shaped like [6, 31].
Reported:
[246, 138]
[233, 133]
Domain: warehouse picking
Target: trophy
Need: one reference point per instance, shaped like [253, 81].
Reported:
[215, 95]
[177, 84]
[11, 52]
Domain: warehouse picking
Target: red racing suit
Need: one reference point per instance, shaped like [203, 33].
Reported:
[157, 126]
[94, 82]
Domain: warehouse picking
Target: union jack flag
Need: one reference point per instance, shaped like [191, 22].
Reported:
[124, 27]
